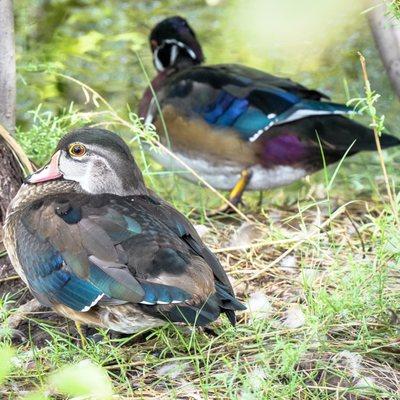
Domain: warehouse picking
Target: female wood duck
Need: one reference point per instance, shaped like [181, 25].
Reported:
[238, 127]
[92, 242]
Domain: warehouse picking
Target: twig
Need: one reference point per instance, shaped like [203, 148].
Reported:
[9, 278]
[16, 149]
[253, 246]
[16, 318]
[357, 231]
[370, 100]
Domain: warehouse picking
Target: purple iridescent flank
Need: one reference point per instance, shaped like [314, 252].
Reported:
[283, 150]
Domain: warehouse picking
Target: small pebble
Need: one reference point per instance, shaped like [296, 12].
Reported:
[258, 306]
[171, 370]
[288, 262]
[247, 234]
[294, 317]
[202, 230]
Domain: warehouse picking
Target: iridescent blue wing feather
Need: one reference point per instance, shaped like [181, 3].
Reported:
[245, 100]
[81, 250]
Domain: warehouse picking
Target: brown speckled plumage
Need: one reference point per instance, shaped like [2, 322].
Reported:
[125, 262]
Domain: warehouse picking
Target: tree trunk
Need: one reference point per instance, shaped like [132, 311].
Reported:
[386, 31]
[10, 177]
[7, 66]
[10, 171]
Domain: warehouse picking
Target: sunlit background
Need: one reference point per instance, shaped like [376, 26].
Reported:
[315, 42]
[104, 43]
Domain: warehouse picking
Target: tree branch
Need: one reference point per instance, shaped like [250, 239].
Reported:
[386, 32]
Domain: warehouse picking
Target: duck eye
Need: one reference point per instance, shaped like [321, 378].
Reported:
[76, 150]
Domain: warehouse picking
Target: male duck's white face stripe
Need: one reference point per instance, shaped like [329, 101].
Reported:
[174, 53]
[157, 62]
[191, 53]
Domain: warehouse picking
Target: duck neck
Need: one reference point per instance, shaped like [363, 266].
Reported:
[183, 61]
[155, 85]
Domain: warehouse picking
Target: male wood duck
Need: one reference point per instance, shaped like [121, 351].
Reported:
[92, 242]
[238, 127]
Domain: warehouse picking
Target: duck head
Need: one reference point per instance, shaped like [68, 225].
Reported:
[98, 160]
[174, 44]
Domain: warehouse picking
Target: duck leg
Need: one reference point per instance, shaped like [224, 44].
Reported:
[260, 199]
[235, 196]
[78, 326]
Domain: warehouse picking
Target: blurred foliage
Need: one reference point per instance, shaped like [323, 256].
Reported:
[94, 41]
[40, 140]
[100, 42]
[394, 8]
[6, 355]
[83, 379]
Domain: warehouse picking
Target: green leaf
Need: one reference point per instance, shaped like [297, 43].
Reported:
[6, 354]
[83, 379]
[137, 40]
[88, 42]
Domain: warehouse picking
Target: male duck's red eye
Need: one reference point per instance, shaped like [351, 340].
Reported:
[76, 150]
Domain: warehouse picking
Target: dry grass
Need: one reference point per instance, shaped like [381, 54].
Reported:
[323, 320]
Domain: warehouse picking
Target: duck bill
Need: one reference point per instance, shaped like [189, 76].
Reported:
[49, 172]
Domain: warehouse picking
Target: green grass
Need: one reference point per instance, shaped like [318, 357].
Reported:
[346, 310]
[339, 227]
[394, 9]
